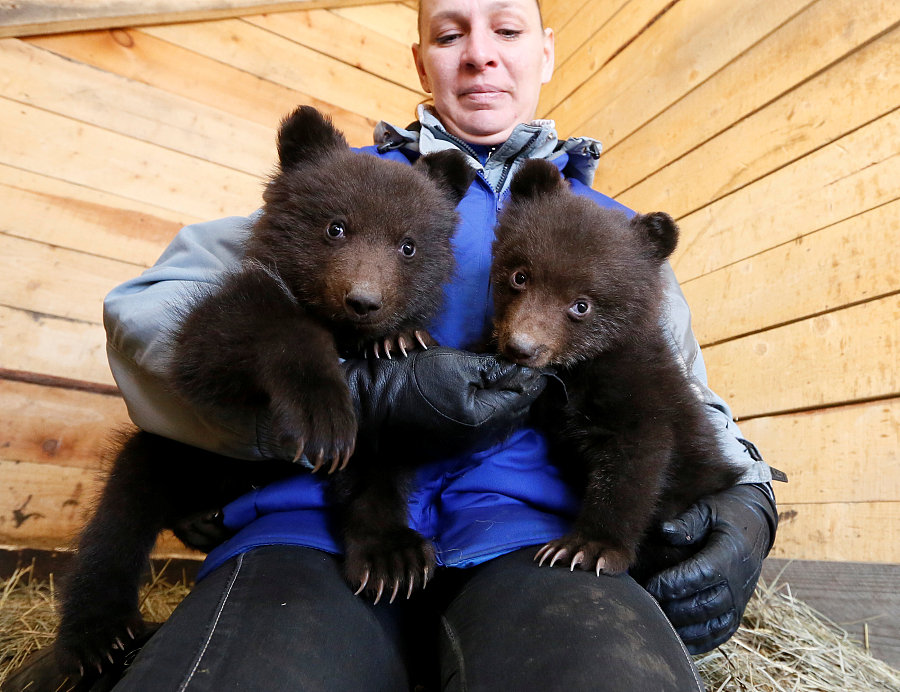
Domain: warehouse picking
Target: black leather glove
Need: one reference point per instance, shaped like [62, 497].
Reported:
[704, 597]
[441, 398]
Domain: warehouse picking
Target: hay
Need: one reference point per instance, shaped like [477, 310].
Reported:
[782, 644]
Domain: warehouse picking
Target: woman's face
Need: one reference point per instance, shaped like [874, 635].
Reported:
[483, 62]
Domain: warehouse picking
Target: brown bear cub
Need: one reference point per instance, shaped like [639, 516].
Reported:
[579, 288]
[349, 251]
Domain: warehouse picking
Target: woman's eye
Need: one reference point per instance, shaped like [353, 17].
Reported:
[509, 33]
[408, 248]
[518, 279]
[446, 39]
[335, 230]
[579, 308]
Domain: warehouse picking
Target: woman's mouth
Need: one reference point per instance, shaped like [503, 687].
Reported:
[482, 94]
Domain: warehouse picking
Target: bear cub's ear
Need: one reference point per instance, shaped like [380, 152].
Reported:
[535, 177]
[450, 171]
[306, 135]
[659, 230]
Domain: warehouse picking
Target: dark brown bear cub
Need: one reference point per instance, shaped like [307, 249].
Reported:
[579, 288]
[350, 250]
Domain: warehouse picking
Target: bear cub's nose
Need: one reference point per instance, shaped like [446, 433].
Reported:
[521, 348]
[363, 303]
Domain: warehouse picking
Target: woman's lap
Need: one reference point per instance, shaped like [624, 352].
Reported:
[282, 617]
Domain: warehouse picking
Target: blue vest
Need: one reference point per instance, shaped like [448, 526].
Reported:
[473, 508]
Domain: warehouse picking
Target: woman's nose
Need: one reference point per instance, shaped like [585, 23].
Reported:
[480, 50]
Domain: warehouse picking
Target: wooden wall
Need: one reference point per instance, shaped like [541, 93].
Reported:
[769, 130]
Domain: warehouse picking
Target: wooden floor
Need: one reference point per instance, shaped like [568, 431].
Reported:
[856, 596]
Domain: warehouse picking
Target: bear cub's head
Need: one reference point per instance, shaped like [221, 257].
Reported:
[572, 280]
[361, 242]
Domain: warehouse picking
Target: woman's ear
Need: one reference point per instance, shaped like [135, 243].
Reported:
[549, 55]
[420, 68]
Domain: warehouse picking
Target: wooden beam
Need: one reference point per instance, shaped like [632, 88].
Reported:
[54, 281]
[839, 532]
[844, 454]
[55, 16]
[143, 58]
[849, 262]
[691, 41]
[766, 71]
[57, 426]
[848, 95]
[66, 215]
[49, 144]
[841, 357]
[81, 93]
[32, 342]
[856, 173]
[347, 41]
[286, 62]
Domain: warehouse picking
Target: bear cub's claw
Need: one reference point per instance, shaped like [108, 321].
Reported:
[90, 645]
[599, 556]
[402, 343]
[378, 563]
[323, 430]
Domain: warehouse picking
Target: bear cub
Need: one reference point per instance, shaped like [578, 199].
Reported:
[350, 251]
[579, 288]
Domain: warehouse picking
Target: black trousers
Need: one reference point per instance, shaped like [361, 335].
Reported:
[283, 618]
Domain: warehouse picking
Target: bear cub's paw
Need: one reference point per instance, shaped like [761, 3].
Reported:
[392, 561]
[93, 642]
[593, 555]
[320, 424]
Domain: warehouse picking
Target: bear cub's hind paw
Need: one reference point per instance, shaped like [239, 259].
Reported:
[598, 556]
[391, 561]
[89, 645]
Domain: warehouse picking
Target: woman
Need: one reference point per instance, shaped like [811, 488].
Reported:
[272, 610]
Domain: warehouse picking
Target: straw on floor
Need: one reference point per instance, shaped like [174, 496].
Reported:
[782, 644]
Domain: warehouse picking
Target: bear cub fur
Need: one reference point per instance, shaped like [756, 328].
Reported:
[579, 288]
[350, 250]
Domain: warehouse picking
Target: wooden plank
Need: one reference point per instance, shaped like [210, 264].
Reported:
[250, 48]
[56, 281]
[144, 58]
[852, 93]
[347, 41]
[842, 454]
[841, 357]
[838, 531]
[52, 425]
[778, 63]
[53, 16]
[691, 41]
[65, 215]
[849, 176]
[859, 597]
[49, 144]
[577, 29]
[593, 37]
[40, 78]
[852, 261]
[44, 506]
[37, 343]
[394, 21]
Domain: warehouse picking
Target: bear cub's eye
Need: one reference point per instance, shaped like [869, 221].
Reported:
[408, 247]
[335, 230]
[579, 309]
[518, 279]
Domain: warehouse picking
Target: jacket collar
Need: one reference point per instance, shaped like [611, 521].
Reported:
[576, 156]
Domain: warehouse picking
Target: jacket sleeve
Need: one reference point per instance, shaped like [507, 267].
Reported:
[739, 451]
[139, 317]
